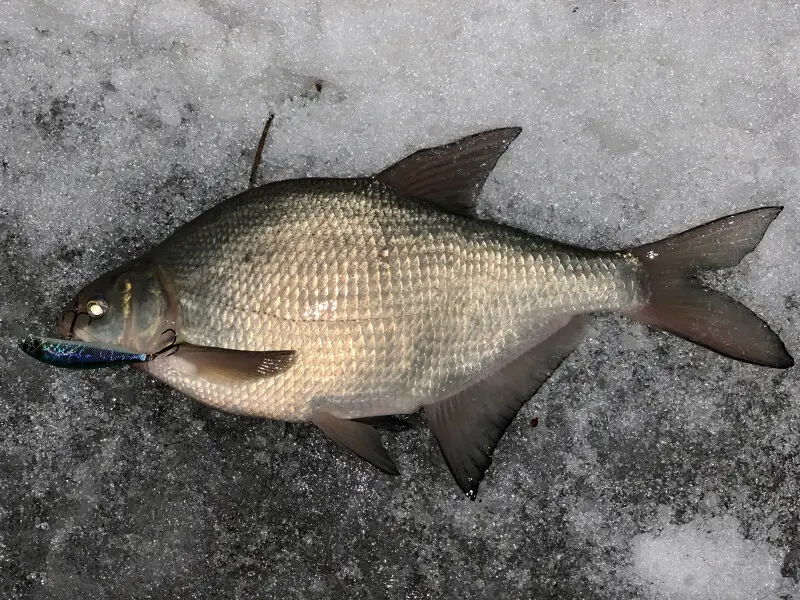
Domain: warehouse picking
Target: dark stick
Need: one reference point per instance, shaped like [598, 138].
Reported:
[259, 150]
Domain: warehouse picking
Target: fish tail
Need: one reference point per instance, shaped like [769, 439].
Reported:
[680, 304]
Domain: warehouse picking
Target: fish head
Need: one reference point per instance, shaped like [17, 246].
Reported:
[129, 307]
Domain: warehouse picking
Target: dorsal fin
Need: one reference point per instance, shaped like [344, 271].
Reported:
[451, 176]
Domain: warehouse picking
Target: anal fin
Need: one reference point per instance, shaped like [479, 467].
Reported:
[469, 424]
[360, 438]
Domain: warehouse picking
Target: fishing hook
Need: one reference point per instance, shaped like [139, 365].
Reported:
[171, 346]
[71, 333]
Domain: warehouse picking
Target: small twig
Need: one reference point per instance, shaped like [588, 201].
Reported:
[259, 150]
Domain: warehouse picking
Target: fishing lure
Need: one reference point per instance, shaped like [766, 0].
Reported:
[76, 354]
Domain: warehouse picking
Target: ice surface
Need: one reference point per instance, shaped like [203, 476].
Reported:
[122, 119]
[706, 560]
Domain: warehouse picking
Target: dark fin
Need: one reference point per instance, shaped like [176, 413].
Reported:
[259, 149]
[359, 438]
[680, 304]
[469, 424]
[451, 176]
[222, 364]
[387, 423]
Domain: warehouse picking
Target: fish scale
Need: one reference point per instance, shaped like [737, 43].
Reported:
[388, 301]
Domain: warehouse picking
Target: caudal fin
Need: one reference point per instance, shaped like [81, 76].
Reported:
[680, 304]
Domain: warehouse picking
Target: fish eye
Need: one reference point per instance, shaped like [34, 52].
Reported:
[97, 307]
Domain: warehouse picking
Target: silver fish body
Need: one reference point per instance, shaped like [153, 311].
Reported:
[392, 303]
[342, 300]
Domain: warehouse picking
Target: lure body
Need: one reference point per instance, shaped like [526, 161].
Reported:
[76, 354]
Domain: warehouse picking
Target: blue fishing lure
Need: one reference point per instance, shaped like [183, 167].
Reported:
[76, 354]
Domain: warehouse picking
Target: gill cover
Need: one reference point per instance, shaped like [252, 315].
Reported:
[130, 307]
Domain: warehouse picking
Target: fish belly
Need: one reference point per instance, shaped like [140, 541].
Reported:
[389, 303]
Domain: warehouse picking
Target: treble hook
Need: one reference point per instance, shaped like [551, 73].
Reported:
[71, 333]
[172, 347]
[64, 316]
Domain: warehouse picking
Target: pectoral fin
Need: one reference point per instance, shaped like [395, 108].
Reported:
[469, 424]
[451, 176]
[223, 364]
[359, 438]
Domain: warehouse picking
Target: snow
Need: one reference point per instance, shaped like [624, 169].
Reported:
[656, 468]
[706, 560]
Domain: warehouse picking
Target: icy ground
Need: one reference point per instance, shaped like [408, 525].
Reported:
[657, 469]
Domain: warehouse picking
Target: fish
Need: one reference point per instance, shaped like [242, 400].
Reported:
[75, 354]
[344, 302]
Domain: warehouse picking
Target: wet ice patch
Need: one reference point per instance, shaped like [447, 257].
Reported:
[706, 560]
